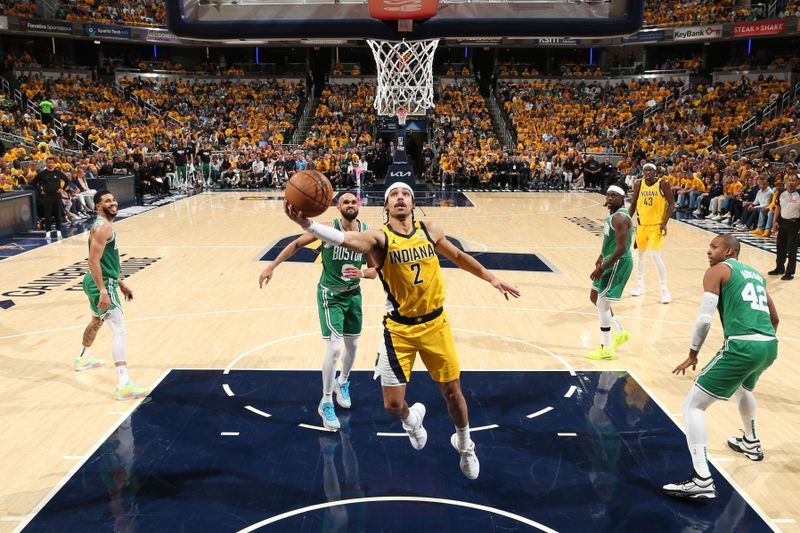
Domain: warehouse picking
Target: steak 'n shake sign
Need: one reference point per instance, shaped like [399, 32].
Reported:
[762, 27]
[694, 33]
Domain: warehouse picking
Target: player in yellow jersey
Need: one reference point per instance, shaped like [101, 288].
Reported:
[415, 321]
[654, 202]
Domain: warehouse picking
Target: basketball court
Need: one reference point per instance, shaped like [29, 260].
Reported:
[230, 440]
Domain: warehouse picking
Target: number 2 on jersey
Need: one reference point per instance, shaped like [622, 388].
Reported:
[416, 268]
[757, 296]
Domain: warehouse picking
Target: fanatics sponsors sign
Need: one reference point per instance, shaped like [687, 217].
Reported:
[692, 33]
[645, 36]
[762, 27]
[45, 26]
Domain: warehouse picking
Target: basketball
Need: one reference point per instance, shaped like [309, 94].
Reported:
[309, 191]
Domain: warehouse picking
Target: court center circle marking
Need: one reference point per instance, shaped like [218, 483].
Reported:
[409, 499]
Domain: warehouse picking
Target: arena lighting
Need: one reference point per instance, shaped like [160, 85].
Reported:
[591, 56]
[749, 45]
[155, 51]
[466, 52]
[257, 55]
[96, 42]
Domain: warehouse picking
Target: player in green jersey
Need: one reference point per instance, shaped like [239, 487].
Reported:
[611, 272]
[749, 321]
[339, 305]
[100, 285]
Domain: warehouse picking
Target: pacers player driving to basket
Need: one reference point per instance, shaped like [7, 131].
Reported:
[415, 322]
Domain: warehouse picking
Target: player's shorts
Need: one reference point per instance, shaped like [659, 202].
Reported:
[93, 293]
[649, 237]
[740, 362]
[339, 312]
[401, 342]
[612, 283]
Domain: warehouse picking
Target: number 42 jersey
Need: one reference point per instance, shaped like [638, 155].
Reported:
[742, 305]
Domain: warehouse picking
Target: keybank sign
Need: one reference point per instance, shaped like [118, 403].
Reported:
[693, 33]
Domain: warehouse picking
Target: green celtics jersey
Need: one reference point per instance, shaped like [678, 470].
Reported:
[335, 258]
[610, 237]
[742, 305]
[109, 262]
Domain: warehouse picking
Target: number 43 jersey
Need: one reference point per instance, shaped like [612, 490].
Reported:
[742, 305]
[411, 275]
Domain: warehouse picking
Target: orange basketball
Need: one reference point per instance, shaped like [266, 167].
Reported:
[309, 191]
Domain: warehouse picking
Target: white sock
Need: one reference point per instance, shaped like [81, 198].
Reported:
[412, 421]
[694, 417]
[122, 375]
[349, 359]
[462, 437]
[747, 410]
[642, 265]
[329, 362]
[615, 325]
[604, 312]
[662, 270]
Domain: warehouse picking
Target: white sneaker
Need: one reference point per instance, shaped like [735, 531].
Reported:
[697, 212]
[417, 435]
[695, 487]
[638, 290]
[665, 296]
[469, 464]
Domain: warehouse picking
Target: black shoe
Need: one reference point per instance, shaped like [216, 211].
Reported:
[695, 487]
[787, 277]
[776, 272]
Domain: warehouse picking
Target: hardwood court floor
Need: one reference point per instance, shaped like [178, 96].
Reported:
[198, 305]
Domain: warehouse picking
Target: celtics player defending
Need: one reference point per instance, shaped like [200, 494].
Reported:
[654, 202]
[339, 304]
[611, 273]
[100, 285]
[749, 321]
[415, 322]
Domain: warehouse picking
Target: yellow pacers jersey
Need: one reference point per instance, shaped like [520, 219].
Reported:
[411, 275]
[651, 203]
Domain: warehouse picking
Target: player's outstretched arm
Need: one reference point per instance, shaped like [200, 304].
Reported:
[303, 240]
[358, 241]
[466, 262]
[635, 197]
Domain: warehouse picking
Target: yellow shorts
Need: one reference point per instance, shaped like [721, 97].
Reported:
[649, 237]
[400, 344]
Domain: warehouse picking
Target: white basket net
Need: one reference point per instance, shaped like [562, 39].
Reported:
[405, 76]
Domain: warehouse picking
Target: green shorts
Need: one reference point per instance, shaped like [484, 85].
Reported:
[93, 293]
[738, 363]
[612, 282]
[339, 312]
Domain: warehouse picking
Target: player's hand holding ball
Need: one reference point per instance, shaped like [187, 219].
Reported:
[308, 194]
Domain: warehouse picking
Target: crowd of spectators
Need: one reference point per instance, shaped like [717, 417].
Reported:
[692, 12]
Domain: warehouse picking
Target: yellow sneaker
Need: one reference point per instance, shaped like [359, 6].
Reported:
[618, 339]
[85, 363]
[130, 392]
[601, 354]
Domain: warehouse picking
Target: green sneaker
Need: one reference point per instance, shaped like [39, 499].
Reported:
[601, 354]
[130, 392]
[620, 338]
[85, 363]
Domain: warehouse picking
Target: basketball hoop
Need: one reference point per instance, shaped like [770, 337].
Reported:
[405, 77]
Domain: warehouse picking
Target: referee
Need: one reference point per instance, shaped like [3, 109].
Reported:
[787, 226]
[49, 184]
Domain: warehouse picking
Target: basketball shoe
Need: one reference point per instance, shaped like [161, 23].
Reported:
[417, 435]
[469, 464]
[618, 339]
[601, 354]
[130, 392]
[85, 363]
[695, 487]
[638, 290]
[328, 416]
[342, 391]
[666, 297]
[750, 448]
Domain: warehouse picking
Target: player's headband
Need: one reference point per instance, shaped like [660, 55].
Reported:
[617, 190]
[650, 166]
[397, 185]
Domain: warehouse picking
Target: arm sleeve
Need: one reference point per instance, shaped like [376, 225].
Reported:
[703, 322]
[326, 234]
